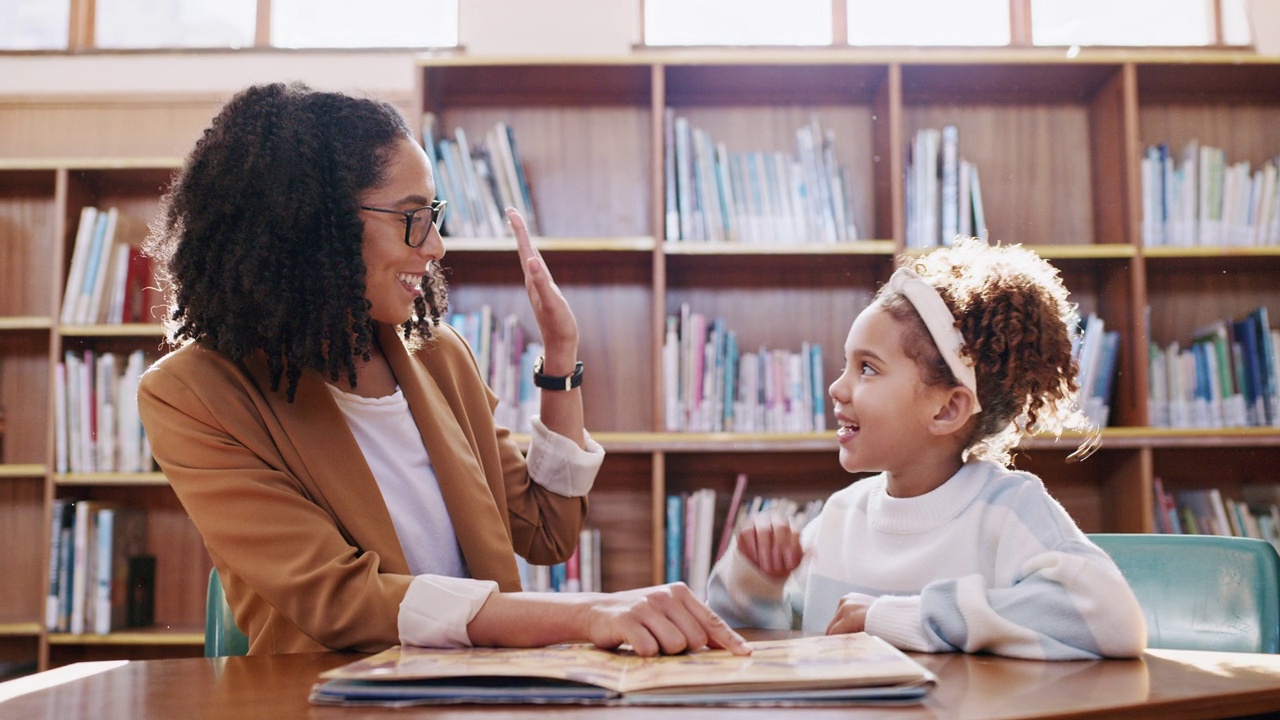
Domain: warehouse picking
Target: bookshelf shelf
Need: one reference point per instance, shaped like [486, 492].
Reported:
[20, 629]
[111, 479]
[22, 471]
[122, 330]
[1058, 141]
[859, 247]
[190, 636]
[25, 323]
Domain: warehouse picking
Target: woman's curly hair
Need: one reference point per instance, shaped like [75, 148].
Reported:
[259, 237]
[1018, 328]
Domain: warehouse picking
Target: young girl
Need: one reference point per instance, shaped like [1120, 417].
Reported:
[946, 549]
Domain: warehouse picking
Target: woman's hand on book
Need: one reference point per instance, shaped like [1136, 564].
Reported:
[666, 619]
[771, 544]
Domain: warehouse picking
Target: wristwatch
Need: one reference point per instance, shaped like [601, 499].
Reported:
[556, 382]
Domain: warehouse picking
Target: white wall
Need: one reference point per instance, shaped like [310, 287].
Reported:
[486, 27]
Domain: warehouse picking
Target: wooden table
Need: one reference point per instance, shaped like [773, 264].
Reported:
[1165, 684]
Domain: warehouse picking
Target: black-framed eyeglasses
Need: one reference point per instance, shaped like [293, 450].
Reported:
[416, 227]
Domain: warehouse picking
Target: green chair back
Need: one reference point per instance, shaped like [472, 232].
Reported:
[1202, 592]
[221, 635]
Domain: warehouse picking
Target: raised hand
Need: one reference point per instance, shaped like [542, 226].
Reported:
[554, 316]
[771, 544]
[666, 619]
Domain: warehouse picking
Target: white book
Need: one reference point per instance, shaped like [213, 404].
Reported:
[79, 260]
[101, 269]
[949, 203]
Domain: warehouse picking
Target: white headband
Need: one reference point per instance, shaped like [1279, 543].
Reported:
[942, 325]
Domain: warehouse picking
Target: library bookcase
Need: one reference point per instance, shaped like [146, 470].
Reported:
[1058, 141]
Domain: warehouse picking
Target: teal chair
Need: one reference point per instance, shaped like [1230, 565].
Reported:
[221, 635]
[1202, 592]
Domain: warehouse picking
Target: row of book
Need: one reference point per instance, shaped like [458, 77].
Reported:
[1208, 512]
[692, 519]
[713, 194]
[943, 194]
[101, 578]
[506, 361]
[110, 280]
[711, 386]
[1225, 377]
[1096, 350]
[96, 422]
[580, 573]
[479, 180]
[1200, 198]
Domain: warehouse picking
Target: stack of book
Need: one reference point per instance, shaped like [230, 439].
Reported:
[1096, 350]
[713, 194]
[711, 386]
[580, 573]
[479, 180]
[1225, 377]
[110, 280]
[95, 547]
[1207, 511]
[943, 195]
[1199, 198]
[96, 422]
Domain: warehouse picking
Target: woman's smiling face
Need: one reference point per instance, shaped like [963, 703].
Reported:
[393, 270]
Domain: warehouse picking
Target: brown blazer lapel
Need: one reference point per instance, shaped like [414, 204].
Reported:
[482, 529]
[334, 469]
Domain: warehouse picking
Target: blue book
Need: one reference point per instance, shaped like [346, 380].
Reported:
[1251, 365]
[675, 539]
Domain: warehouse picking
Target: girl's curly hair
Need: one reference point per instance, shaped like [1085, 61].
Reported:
[1018, 327]
[259, 236]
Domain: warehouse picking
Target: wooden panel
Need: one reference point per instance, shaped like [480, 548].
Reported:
[1098, 491]
[1188, 293]
[556, 85]
[1224, 468]
[27, 229]
[91, 129]
[1017, 84]
[22, 527]
[24, 396]
[765, 85]
[620, 508]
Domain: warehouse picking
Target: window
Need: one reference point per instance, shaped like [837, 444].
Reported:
[1136, 22]
[174, 23]
[737, 22]
[371, 23]
[34, 24]
[928, 22]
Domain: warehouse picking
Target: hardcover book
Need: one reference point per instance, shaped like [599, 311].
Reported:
[827, 669]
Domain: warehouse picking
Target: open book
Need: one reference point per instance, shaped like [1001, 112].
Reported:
[808, 670]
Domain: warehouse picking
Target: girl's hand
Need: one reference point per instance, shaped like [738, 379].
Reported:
[666, 619]
[555, 318]
[851, 614]
[771, 544]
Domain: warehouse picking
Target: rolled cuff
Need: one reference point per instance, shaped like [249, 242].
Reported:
[436, 609]
[557, 463]
[897, 620]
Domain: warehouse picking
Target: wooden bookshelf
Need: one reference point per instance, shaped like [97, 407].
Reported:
[1058, 142]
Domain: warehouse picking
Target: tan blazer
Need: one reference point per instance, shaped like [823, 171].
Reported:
[291, 513]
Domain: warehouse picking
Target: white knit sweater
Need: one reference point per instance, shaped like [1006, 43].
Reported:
[988, 562]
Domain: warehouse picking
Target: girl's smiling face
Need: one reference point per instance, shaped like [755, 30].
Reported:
[882, 406]
[393, 270]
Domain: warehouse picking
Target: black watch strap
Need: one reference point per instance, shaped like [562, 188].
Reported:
[556, 382]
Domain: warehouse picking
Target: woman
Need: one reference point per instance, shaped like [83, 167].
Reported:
[333, 443]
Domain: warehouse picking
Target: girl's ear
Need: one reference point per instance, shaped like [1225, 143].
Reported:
[957, 408]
